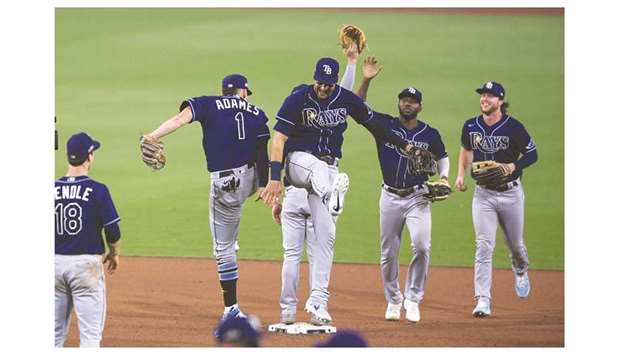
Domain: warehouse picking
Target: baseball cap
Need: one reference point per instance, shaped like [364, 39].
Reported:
[344, 339]
[492, 87]
[79, 145]
[326, 71]
[236, 81]
[239, 330]
[411, 92]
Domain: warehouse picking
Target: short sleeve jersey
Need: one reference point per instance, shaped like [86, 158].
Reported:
[393, 160]
[503, 142]
[83, 207]
[317, 126]
[231, 127]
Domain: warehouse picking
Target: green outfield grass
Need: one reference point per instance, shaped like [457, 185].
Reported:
[120, 72]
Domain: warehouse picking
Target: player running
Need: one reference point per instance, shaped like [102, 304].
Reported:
[403, 199]
[235, 136]
[308, 139]
[497, 136]
[83, 208]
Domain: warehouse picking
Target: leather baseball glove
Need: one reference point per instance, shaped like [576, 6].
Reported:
[421, 162]
[489, 172]
[438, 190]
[352, 34]
[152, 152]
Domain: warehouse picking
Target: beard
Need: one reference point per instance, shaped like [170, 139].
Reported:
[407, 117]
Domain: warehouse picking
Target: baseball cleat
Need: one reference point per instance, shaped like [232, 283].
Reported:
[340, 188]
[233, 312]
[413, 311]
[318, 314]
[287, 318]
[482, 310]
[393, 311]
[522, 285]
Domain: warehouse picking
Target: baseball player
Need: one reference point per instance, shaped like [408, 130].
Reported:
[235, 136]
[308, 138]
[83, 208]
[496, 135]
[294, 216]
[403, 198]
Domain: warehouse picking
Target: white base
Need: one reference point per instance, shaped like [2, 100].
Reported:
[301, 328]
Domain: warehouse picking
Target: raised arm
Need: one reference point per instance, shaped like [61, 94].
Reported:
[172, 124]
[370, 70]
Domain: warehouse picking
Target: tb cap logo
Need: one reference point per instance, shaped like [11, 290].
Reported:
[327, 69]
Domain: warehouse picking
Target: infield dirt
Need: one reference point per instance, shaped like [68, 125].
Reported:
[176, 302]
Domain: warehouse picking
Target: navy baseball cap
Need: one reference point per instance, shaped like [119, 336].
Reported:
[236, 81]
[80, 145]
[326, 71]
[411, 92]
[239, 330]
[492, 87]
[344, 339]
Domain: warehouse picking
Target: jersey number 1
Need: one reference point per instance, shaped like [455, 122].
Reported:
[68, 218]
[240, 125]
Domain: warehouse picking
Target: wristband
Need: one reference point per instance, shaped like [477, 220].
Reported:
[275, 167]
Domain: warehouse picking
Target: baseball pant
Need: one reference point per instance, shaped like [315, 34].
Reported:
[306, 171]
[79, 284]
[414, 211]
[227, 196]
[490, 208]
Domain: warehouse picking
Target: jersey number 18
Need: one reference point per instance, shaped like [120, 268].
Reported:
[68, 218]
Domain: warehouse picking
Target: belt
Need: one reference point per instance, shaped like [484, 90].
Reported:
[502, 187]
[403, 192]
[330, 160]
[224, 173]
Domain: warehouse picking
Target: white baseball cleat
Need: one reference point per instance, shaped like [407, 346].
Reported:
[413, 311]
[318, 314]
[340, 188]
[522, 285]
[483, 309]
[393, 311]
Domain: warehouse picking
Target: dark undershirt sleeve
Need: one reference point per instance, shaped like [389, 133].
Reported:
[262, 161]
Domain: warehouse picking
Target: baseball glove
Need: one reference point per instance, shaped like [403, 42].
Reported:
[438, 190]
[421, 162]
[352, 34]
[489, 172]
[152, 152]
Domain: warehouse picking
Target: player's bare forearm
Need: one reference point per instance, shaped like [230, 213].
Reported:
[465, 159]
[362, 91]
[277, 146]
[172, 124]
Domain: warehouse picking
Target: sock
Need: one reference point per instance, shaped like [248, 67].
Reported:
[229, 291]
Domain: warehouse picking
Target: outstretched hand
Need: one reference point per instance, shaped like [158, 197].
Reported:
[371, 68]
[271, 194]
[351, 52]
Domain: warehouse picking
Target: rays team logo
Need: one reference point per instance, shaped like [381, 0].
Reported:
[401, 152]
[327, 118]
[490, 144]
[489, 85]
[327, 69]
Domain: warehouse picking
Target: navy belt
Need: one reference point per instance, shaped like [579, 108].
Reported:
[225, 173]
[403, 192]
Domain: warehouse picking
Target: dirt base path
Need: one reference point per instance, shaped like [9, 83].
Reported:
[176, 302]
